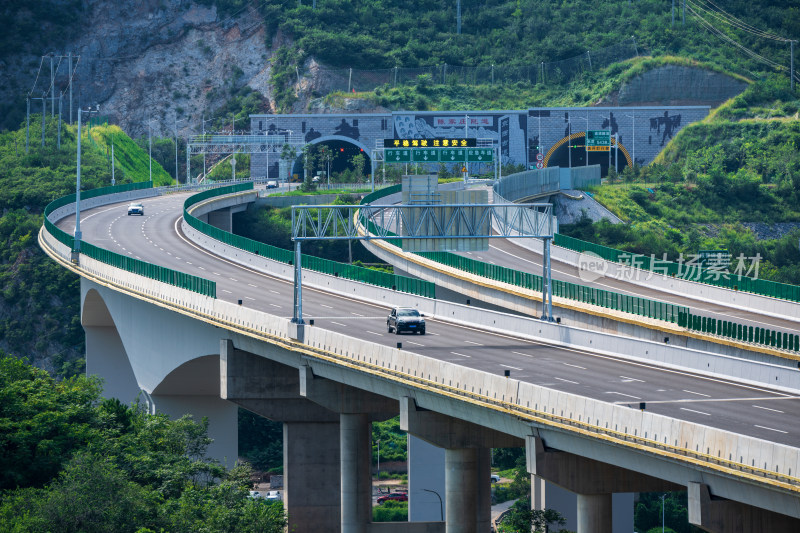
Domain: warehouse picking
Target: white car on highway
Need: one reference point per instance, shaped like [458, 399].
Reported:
[135, 208]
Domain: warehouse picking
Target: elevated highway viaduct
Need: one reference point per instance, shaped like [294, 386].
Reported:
[575, 410]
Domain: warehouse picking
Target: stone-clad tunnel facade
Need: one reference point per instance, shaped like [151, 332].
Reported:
[520, 135]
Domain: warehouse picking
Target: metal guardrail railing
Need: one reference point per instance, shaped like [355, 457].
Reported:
[129, 264]
[318, 264]
[564, 289]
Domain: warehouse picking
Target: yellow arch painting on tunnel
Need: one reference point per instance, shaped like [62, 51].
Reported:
[579, 135]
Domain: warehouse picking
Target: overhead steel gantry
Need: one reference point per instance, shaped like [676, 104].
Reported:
[379, 156]
[435, 221]
[214, 143]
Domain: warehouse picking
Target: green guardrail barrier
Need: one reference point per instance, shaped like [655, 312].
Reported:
[317, 264]
[680, 315]
[740, 332]
[564, 289]
[685, 271]
[129, 264]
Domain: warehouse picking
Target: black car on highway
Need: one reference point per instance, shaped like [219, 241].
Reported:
[405, 319]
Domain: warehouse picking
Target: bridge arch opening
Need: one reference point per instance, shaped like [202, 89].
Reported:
[343, 165]
[559, 154]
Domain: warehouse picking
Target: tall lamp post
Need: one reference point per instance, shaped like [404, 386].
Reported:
[76, 250]
[441, 507]
[662, 511]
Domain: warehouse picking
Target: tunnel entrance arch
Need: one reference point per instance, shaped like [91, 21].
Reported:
[344, 149]
[559, 154]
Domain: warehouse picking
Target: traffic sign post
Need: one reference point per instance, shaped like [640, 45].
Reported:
[598, 140]
[480, 155]
[425, 155]
[452, 155]
[397, 155]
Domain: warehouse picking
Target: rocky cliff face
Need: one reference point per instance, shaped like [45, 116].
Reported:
[152, 60]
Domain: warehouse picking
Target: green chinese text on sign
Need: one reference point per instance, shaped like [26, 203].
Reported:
[398, 156]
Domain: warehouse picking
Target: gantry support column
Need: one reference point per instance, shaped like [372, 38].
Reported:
[593, 482]
[311, 454]
[357, 410]
[467, 463]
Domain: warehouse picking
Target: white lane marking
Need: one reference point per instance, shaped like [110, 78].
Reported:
[768, 409]
[256, 286]
[574, 366]
[201, 268]
[475, 343]
[378, 334]
[512, 367]
[326, 306]
[628, 380]
[275, 305]
[215, 273]
[697, 393]
[461, 354]
[247, 297]
[623, 394]
[771, 429]
[339, 324]
[525, 354]
[229, 292]
[693, 411]
[356, 314]
[566, 380]
[415, 343]
[274, 292]
[778, 395]
[187, 262]
[234, 280]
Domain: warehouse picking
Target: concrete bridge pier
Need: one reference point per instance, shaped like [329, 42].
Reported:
[311, 456]
[467, 447]
[357, 410]
[594, 483]
[223, 218]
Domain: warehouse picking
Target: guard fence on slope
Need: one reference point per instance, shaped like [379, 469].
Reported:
[317, 264]
[129, 264]
[328, 80]
[680, 315]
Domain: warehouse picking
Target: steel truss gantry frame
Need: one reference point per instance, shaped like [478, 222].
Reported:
[379, 156]
[428, 221]
[212, 143]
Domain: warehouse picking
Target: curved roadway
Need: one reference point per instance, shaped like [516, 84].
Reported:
[508, 253]
[722, 403]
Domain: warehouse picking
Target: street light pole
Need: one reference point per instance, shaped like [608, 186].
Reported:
[662, 511]
[441, 507]
[149, 144]
[78, 235]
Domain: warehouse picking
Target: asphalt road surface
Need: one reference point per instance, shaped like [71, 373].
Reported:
[722, 403]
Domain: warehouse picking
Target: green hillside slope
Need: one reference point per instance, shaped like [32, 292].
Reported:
[39, 305]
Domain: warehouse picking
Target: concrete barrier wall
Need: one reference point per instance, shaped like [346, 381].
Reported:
[571, 314]
[757, 372]
[475, 392]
